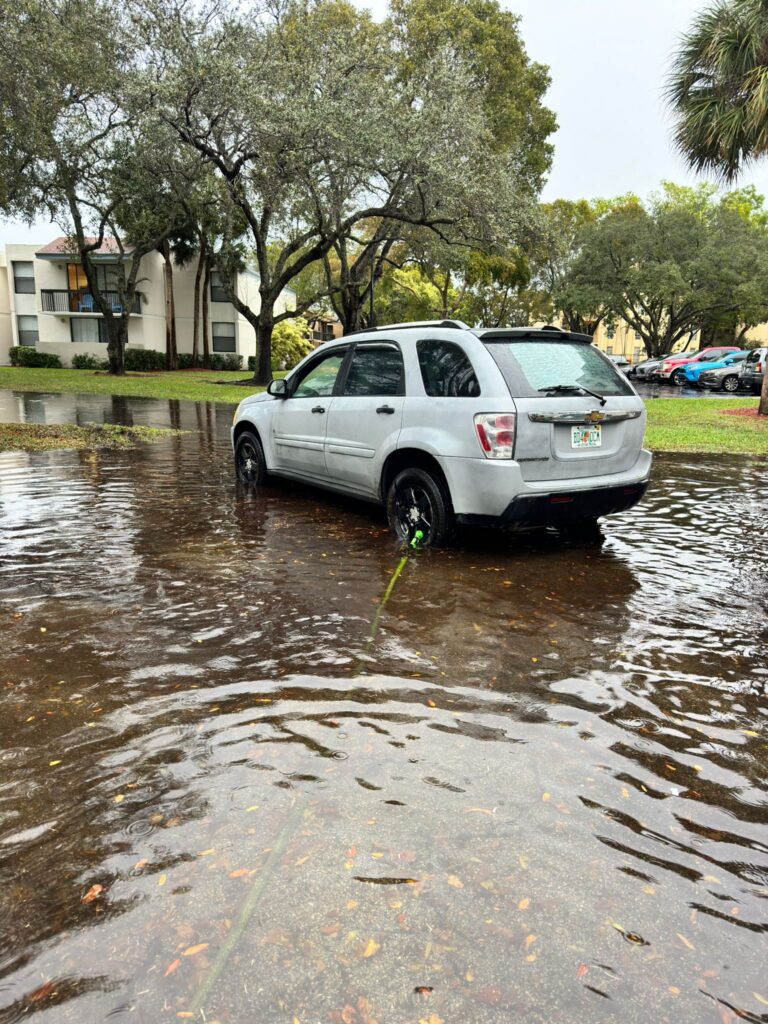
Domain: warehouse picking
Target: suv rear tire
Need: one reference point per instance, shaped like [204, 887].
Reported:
[418, 501]
[250, 464]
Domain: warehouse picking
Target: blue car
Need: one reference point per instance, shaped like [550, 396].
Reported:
[693, 370]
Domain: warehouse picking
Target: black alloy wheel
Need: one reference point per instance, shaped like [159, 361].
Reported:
[678, 378]
[250, 467]
[419, 509]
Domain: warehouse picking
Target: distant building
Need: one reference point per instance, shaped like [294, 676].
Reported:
[45, 302]
[325, 328]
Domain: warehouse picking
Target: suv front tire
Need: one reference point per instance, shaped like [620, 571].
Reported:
[250, 464]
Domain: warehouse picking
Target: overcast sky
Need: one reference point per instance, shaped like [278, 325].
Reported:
[608, 60]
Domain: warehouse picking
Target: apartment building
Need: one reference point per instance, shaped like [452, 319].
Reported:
[45, 301]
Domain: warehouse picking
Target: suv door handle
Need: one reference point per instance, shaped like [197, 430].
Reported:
[386, 409]
[319, 408]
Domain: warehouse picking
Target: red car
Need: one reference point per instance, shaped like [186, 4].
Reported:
[672, 371]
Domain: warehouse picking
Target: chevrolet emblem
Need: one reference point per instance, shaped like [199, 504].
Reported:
[595, 417]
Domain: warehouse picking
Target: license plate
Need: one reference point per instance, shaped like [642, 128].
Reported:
[586, 437]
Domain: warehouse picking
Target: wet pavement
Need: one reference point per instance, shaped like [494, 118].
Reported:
[532, 789]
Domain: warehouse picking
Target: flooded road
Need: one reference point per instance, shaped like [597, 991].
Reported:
[533, 789]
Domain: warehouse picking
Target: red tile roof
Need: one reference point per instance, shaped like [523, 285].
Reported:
[63, 246]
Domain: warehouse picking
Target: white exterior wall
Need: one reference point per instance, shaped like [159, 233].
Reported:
[145, 330]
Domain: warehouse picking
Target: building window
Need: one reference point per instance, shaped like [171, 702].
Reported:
[609, 332]
[609, 350]
[637, 354]
[446, 371]
[637, 335]
[89, 331]
[24, 277]
[27, 327]
[223, 337]
[218, 293]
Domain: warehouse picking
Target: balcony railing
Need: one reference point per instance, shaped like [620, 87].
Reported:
[65, 301]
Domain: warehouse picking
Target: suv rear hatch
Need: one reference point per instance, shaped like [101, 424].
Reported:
[577, 416]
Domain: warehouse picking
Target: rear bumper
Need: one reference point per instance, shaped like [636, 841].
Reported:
[484, 491]
[561, 508]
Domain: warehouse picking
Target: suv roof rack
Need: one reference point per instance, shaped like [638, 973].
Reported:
[457, 325]
[554, 333]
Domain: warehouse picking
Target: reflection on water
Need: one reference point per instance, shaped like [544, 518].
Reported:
[538, 794]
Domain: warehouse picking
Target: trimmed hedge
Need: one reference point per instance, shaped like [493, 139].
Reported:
[144, 359]
[85, 361]
[26, 355]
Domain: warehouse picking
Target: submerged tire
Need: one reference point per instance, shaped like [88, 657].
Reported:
[418, 501]
[250, 465]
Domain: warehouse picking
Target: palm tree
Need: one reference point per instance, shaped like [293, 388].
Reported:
[718, 92]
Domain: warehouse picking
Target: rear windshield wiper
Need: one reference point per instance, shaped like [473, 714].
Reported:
[562, 388]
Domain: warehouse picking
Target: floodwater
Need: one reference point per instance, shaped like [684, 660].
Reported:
[533, 789]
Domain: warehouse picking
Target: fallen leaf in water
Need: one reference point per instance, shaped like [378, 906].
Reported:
[649, 890]
[185, 1014]
[624, 793]
[455, 882]
[52, 764]
[529, 941]
[522, 860]
[581, 970]
[523, 904]
[530, 958]
[377, 856]
[172, 967]
[119, 798]
[674, 990]
[534, 660]
[545, 797]
[351, 904]
[685, 941]
[239, 873]
[93, 894]
[431, 1019]
[371, 947]
[194, 950]
[479, 810]
[424, 990]
[751, 732]
[140, 864]
[41, 993]
[162, 879]
[43, 629]
[207, 853]
[431, 703]
[760, 998]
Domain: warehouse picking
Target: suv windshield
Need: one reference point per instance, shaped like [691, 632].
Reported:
[531, 366]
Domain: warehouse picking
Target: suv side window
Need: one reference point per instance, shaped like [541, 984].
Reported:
[319, 379]
[375, 370]
[446, 370]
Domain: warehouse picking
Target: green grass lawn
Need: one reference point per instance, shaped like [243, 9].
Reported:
[674, 424]
[703, 425]
[195, 385]
[43, 437]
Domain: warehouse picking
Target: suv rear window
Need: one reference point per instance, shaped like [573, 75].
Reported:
[754, 356]
[529, 366]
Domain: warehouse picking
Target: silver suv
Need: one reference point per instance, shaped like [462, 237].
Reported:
[444, 425]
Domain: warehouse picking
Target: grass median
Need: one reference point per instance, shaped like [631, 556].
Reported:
[45, 437]
[192, 385]
[707, 425]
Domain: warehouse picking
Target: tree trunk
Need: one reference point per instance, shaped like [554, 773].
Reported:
[117, 334]
[196, 311]
[171, 357]
[263, 373]
[762, 409]
[206, 332]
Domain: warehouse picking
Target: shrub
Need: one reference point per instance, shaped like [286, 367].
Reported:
[185, 361]
[228, 361]
[85, 361]
[144, 359]
[26, 355]
[291, 341]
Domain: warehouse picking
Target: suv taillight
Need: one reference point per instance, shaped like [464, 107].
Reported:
[759, 368]
[496, 434]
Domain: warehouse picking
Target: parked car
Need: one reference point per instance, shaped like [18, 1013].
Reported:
[645, 369]
[694, 370]
[621, 363]
[672, 370]
[443, 425]
[753, 370]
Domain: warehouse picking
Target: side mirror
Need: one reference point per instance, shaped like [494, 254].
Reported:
[728, 362]
[278, 388]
